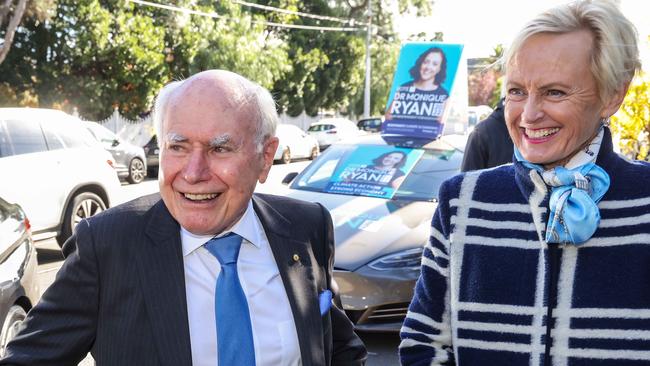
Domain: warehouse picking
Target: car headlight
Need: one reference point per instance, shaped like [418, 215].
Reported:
[405, 259]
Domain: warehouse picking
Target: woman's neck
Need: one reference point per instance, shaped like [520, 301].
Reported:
[425, 85]
[564, 161]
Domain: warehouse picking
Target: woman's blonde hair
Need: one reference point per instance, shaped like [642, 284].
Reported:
[615, 53]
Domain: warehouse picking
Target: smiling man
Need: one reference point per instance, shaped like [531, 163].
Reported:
[206, 273]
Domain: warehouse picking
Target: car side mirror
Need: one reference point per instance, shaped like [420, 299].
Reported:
[289, 177]
[115, 142]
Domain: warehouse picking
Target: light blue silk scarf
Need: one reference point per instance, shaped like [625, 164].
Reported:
[576, 189]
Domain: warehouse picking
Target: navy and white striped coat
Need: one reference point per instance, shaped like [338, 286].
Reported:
[487, 275]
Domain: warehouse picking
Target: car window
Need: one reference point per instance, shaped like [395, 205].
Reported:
[435, 166]
[369, 124]
[102, 134]
[314, 128]
[318, 174]
[420, 184]
[54, 142]
[23, 137]
[74, 135]
[5, 148]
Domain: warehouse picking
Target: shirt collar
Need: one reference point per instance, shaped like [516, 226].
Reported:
[248, 227]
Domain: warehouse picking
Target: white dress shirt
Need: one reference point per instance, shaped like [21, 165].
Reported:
[274, 330]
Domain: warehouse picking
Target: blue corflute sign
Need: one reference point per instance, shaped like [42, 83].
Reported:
[421, 86]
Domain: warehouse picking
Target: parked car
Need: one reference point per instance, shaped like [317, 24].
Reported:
[379, 241]
[17, 271]
[294, 143]
[330, 130]
[54, 169]
[152, 153]
[370, 124]
[130, 161]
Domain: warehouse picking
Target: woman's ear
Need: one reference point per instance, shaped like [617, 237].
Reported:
[613, 103]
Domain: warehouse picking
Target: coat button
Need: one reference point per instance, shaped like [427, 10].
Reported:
[296, 257]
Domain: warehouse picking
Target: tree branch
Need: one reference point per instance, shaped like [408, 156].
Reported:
[356, 8]
[11, 28]
[4, 10]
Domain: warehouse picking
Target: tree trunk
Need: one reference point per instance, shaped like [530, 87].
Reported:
[17, 15]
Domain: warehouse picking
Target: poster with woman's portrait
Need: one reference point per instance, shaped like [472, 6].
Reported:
[421, 87]
[374, 171]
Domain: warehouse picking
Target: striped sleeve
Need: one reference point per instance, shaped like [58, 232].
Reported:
[426, 333]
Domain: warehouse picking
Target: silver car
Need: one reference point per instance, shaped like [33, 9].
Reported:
[130, 161]
[17, 271]
[379, 240]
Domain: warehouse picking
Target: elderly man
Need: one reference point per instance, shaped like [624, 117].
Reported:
[209, 275]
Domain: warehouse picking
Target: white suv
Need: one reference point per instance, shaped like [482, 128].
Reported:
[330, 130]
[54, 169]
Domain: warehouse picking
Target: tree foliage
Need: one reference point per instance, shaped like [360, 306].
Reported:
[484, 82]
[632, 121]
[97, 55]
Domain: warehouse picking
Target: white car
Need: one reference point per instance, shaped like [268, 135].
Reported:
[330, 130]
[52, 167]
[294, 143]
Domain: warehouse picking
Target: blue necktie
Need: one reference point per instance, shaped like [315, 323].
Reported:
[234, 330]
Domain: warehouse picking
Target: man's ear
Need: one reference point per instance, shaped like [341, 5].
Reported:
[268, 153]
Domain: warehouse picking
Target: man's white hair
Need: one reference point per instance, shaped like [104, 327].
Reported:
[254, 96]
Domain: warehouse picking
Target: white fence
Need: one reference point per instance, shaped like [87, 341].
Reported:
[137, 132]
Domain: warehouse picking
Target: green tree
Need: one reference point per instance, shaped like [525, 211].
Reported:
[632, 121]
[89, 57]
[240, 46]
[383, 62]
[96, 55]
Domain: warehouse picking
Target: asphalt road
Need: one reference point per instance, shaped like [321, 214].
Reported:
[382, 347]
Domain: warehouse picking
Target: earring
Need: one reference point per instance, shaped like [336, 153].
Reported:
[605, 121]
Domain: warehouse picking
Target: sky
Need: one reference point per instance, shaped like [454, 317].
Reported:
[480, 25]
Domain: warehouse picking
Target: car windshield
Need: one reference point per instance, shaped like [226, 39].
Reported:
[339, 165]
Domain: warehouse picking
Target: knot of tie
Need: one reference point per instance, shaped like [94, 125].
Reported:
[225, 248]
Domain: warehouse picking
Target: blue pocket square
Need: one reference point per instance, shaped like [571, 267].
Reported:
[325, 301]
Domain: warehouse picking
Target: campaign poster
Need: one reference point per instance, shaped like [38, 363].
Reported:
[422, 83]
[374, 171]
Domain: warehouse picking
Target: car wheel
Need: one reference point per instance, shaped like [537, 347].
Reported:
[82, 206]
[314, 153]
[286, 156]
[136, 171]
[10, 326]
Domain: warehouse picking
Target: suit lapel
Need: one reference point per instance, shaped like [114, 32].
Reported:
[163, 284]
[298, 279]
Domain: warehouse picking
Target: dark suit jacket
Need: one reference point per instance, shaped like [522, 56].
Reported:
[489, 145]
[121, 291]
